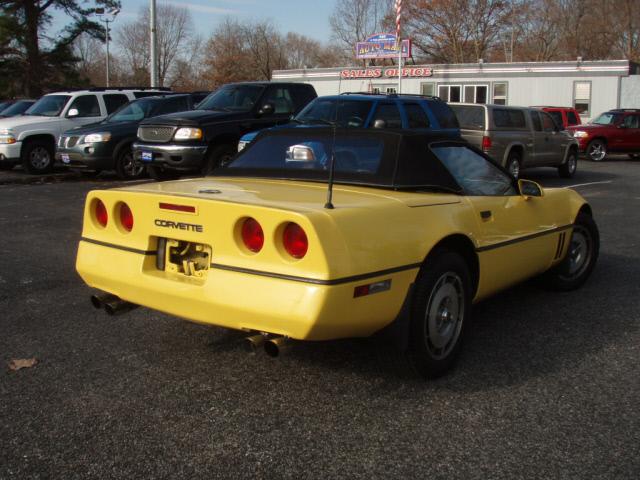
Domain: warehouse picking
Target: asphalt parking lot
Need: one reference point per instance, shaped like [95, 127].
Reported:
[548, 385]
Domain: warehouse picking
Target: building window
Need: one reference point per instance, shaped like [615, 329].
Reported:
[582, 97]
[450, 93]
[384, 89]
[475, 93]
[428, 89]
[500, 93]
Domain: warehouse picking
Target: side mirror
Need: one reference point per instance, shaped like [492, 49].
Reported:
[73, 112]
[379, 123]
[266, 109]
[528, 188]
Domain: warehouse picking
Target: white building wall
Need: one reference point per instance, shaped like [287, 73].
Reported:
[630, 92]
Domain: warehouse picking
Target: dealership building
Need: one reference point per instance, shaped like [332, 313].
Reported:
[591, 87]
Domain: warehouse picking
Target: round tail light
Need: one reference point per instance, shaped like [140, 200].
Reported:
[295, 240]
[101, 213]
[252, 235]
[126, 217]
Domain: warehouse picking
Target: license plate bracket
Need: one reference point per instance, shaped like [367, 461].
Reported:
[65, 157]
[146, 156]
[184, 258]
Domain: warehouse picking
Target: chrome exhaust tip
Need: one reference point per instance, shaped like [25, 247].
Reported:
[276, 346]
[99, 299]
[254, 342]
[118, 307]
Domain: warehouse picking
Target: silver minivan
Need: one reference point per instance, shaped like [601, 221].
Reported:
[518, 137]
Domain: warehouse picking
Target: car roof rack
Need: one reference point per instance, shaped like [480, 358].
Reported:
[102, 89]
[632, 110]
[393, 95]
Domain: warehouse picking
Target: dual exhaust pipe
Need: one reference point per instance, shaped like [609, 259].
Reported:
[272, 346]
[111, 304]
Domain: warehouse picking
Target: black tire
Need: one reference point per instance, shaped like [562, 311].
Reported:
[37, 157]
[596, 150]
[580, 260]
[127, 167]
[514, 164]
[7, 165]
[218, 156]
[569, 167]
[157, 173]
[440, 309]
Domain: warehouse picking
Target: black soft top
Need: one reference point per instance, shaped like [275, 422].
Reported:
[404, 160]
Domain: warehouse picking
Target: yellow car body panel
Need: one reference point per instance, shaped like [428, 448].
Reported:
[372, 235]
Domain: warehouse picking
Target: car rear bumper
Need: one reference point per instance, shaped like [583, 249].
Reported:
[243, 301]
[10, 152]
[175, 157]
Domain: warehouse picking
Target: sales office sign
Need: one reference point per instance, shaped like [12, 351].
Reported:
[388, 73]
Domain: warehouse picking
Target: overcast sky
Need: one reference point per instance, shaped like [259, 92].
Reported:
[307, 17]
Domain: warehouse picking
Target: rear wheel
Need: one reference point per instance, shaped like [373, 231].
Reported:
[219, 156]
[37, 157]
[568, 168]
[157, 173]
[596, 150]
[127, 167]
[582, 254]
[513, 164]
[441, 306]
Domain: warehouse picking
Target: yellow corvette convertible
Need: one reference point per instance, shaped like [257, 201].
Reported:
[319, 233]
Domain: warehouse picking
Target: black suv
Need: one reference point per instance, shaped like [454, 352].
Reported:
[107, 145]
[204, 138]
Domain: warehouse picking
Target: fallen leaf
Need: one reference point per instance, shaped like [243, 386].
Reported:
[18, 363]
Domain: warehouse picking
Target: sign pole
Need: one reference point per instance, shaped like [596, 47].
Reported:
[399, 66]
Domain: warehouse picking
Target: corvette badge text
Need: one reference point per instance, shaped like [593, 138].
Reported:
[179, 225]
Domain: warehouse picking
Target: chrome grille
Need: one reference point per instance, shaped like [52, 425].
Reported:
[155, 134]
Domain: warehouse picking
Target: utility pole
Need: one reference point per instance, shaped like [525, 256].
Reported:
[154, 44]
[107, 18]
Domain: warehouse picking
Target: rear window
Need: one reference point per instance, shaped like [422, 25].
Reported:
[445, 116]
[503, 118]
[470, 118]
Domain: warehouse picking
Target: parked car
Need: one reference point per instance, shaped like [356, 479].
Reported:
[107, 145]
[202, 139]
[418, 227]
[365, 110]
[518, 137]
[615, 131]
[563, 116]
[17, 107]
[31, 138]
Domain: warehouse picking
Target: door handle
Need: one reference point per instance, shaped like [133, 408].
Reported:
[485, 214]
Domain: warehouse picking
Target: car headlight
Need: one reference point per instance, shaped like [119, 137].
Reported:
[7, 138]
[580, 134]
[241, 145]
[97, 137]
[188, 133]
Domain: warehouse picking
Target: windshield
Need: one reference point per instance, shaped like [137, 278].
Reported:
[607, 118]
[132, 112]
[17, 108]
[49, 105]
[4, 105]
[345, 113]
[236, 98]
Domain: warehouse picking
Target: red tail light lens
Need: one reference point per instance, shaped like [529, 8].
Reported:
[101, 213]
[126, 217]
[295, 240]
[252, 235]
[486, 143]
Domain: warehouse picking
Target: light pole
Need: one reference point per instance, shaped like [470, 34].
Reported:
[153, 44]
[107, 18]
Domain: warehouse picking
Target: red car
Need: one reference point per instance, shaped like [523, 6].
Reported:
[564, 116]
[613, 131]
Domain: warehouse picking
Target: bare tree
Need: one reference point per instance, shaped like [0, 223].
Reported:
[354, 20]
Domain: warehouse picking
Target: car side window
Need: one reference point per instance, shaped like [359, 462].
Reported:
[535, 119]
[557, 117]
[631, 121]
[87, 106]
[548, 125]
[416, 115]
[280, 98]
[572, 119]
[474, 173]
[114, 101]
[387, 115]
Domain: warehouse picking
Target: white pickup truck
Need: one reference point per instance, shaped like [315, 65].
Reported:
[31, 138]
